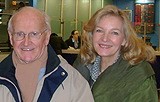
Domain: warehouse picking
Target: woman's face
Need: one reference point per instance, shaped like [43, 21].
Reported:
[108, 36]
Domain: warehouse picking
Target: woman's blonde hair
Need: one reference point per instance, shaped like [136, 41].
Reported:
[135, 50]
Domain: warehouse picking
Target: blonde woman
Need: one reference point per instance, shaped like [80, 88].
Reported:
[115, 61]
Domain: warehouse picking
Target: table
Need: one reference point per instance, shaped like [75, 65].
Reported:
[157, 53]
[70, 51]
[70, 55]
[3, 55]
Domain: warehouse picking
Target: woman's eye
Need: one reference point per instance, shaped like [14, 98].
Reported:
[115, 33]
[99, 31]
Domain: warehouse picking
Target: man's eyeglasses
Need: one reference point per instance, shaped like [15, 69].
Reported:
[32, 35]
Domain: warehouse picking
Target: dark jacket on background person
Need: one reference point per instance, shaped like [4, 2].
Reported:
[57, 43]
[61, 82]
[70, 42]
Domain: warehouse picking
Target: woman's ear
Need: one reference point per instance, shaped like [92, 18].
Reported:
[124, 42]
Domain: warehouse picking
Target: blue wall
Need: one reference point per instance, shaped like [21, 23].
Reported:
[125, 5]
[129, 4]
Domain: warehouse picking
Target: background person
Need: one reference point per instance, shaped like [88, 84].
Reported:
[74, 40]
[33, 72]
[20, 5]
[115, 61]
[57, 43]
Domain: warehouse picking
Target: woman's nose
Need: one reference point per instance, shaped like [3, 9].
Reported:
[105, 37]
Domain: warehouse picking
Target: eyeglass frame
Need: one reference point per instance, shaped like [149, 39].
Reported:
[38, 34]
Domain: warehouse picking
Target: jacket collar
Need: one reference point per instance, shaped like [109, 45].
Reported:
[53, 61]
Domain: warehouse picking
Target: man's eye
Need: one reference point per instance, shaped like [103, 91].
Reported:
[19, 34]
[34, 34]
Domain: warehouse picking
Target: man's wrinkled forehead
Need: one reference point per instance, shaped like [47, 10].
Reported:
[29, 15]
[29, 12]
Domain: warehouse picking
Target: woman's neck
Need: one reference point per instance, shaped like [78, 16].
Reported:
[108, 61]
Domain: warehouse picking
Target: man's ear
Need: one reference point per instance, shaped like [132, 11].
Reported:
[10, 37]
[48, 34]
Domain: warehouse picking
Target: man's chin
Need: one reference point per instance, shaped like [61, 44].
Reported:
[27, 61]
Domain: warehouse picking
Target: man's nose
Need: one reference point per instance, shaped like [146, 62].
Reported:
[26, 40]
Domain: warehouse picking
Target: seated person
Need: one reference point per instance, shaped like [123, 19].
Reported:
[74, 40]
[57, 43]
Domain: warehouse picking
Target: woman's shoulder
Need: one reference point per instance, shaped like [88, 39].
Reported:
[139, 72]
[81, 67]
[145, 68]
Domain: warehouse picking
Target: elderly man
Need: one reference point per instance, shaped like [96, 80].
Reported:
[33, 72]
